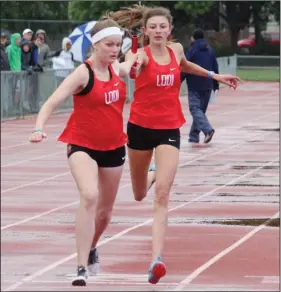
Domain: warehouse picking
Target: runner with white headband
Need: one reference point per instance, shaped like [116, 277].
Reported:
[106, 32]
[94, 136]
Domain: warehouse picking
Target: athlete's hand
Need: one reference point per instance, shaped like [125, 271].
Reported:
[229, 80]
[135, 68]
[132, 58]
[37, 136]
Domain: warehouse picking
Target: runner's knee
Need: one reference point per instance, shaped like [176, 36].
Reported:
[88, 198]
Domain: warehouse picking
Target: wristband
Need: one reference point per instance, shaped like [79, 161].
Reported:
[38, 130]
[210, 74]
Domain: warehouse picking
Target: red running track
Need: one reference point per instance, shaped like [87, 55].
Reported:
[234, 177]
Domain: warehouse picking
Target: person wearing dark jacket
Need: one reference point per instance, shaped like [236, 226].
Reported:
[26, 55]
[4, 61]
[35, 48]
[200, 88]
[27, 66]
[35, 81]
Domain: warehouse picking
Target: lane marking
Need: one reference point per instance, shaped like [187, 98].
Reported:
[215, 115]
[220, 255]
[76, 202]
[32, 159]
[35, 182]
[125, 231]
[200, 157]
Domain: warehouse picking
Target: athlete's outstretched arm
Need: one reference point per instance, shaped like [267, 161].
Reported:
[74, 81]
[124, 68]
[141, 60]
[194, 69]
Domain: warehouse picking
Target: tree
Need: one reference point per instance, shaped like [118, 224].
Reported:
[260, 14]
[275, 10]
[261, 10]
[187, 16]
[18, 15]
[87, 11]
[237, 15]
[194, 9]
[34, 10]
[184, 13]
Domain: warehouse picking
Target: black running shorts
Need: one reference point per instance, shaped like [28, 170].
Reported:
[140, 138]
[110, 158]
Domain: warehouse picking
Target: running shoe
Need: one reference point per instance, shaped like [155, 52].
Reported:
[157, 271]
[81, 278]
[152, 167]
[93, 261]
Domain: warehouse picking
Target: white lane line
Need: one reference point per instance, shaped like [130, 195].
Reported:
[198, 158]
[13, 146]
[28, 128]
[65, 206]
[32, 159]
[35, 182]
[125, 231]
[38, 215]
[215, 115]
[220, 255]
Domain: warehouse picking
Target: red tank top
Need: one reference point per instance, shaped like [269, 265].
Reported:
[156, 102]
[97, 121]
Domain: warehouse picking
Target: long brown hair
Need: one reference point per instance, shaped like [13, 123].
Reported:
[135, 18]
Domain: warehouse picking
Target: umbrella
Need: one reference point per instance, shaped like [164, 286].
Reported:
[126, 43]
[81, 40]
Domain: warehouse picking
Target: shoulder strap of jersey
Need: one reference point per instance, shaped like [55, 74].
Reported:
[90, 83]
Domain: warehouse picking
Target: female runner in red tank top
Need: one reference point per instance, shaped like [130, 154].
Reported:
[94, 136]
[156, 115]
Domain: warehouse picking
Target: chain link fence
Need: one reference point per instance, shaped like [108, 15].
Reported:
[23, 94]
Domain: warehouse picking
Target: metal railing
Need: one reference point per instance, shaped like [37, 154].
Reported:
[254, 61]
[23, 94]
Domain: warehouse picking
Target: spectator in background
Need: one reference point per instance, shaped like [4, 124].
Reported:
[26, 55]
[6, 79]
[27, 34]
[35, 93]
[26, 65]
[35, 49]
[14, 56]
[29, 51]
[63, 61]
[44, 51]
[4, 61]
[200, 88]
[14, 52]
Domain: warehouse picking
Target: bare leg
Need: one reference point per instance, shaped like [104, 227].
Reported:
[139, 161]
[109, 179]
[167, 159]
[85, 173]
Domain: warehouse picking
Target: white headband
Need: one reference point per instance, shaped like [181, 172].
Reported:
[105, 33]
